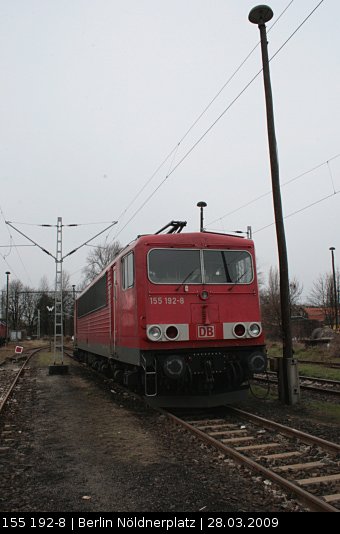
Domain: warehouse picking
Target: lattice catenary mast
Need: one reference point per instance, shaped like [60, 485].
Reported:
[58, 303]
[59, 258]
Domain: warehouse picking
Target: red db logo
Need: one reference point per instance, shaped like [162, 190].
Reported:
[205, 331]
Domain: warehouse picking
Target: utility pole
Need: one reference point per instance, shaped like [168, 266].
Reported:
[38, 325]
[74, 327]
[7, 295]
[335, 291]
[50, 310]
[289, 386]
[58, 312]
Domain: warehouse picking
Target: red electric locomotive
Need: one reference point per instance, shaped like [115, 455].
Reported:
[176, 315]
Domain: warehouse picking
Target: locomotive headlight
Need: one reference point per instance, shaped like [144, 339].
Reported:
[174, 366]
[239, 330]
[171, 332]
[154, 332]
[254, 329]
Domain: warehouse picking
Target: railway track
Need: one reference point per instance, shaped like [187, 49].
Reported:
[10, 372]
[305, 466]
[329, 365]
[320, 385]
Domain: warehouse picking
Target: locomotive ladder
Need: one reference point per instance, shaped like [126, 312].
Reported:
[150, 374]
[58, 308]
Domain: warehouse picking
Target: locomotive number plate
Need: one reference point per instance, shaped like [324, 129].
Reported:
[206, 331]
[166, 300]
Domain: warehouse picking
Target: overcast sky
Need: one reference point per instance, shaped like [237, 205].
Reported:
[96, 95]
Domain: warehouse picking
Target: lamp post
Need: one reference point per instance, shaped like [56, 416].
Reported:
[201, 205]
[260, 15]
[38, 324]
[50, 310]
[335, 290]
[7, 284]
[74, 311]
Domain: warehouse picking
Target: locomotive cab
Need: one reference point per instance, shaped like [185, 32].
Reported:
[202, 327]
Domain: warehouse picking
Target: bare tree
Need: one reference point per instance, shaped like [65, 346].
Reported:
[98, 258]
[45, 299]
[271, 303]
[68, 304]
[29, 301]
[15, 307]
[322, 296]
[44, 285]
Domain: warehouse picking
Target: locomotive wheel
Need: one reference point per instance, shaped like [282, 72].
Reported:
[95, 365]
[105, 369]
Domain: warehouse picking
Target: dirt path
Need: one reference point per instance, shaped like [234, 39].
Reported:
[70, 444]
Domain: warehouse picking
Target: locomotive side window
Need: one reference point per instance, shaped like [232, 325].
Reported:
[94, 298]
[227, 267]
[174, 266]
[128, 271]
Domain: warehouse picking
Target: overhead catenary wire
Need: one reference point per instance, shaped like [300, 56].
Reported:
[231, 77]
[176, 147]
[299, 211]
[54, 225]
[35, 244]
[11, 246]
[200, 139]
[175, 150]
[263, 195]
[331, 175]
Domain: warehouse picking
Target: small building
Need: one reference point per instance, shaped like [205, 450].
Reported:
[16, 335]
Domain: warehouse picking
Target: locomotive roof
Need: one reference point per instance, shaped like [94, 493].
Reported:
[185, 239]
[194, 239]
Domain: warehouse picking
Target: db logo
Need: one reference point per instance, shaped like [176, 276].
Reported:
[205, 331]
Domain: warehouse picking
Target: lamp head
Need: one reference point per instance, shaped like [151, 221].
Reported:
[260, 14]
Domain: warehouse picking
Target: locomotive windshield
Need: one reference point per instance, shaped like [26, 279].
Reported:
[184, 266]
[227, 267]
[175, 266]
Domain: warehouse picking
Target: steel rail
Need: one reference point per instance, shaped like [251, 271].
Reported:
[287, 431]
[331, 365]
[312, 502]
[327, 391]
[9, 392]
[321, 390]
[312, 378]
